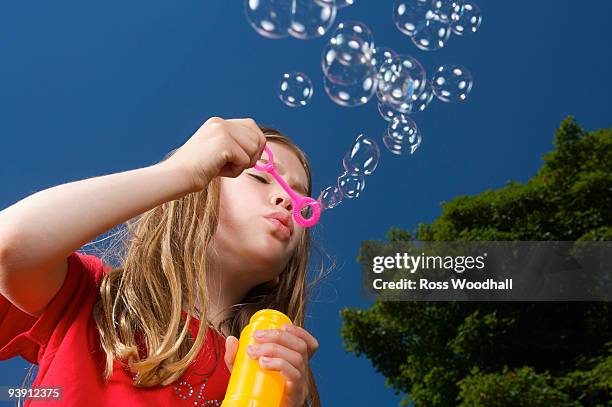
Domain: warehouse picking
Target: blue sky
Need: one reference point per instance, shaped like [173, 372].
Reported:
[92, 89]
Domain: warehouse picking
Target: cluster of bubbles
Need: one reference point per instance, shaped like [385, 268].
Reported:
[355, 70]
[429, 23]
[360, 160]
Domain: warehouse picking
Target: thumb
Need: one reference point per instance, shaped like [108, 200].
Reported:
[231, 348]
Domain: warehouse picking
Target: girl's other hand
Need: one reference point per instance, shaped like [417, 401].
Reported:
[219, 148]
[287, 350]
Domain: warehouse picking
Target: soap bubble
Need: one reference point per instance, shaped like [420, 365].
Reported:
[338, 3]
[295, 89]
[452, 83]
[468, 19]
[355, 94]
[387, 111]
[352, 40]
[447, 10]
[363, 156]
[270, 18]
[422, 101]
[345, 72]
[393, 146]
[351, 185]
[311, 19]
[344, 3]
[404, 130]
[380, 55]
[408, 15]
[432, 34]
[400, 81]
[330, 197]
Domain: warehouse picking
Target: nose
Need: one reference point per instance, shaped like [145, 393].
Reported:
[281, 198]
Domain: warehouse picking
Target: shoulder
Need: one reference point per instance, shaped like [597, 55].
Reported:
[90, 265]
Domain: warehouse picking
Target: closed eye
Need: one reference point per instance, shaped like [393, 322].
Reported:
[260, 179]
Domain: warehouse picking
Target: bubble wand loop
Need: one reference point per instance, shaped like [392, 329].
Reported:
[299, 202]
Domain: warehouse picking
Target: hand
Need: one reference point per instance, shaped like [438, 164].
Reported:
[218, 148]
[287, 350]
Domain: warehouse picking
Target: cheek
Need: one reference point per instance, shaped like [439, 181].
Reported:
[236, 202]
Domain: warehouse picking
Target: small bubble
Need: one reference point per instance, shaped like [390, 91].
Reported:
[311, 19]
[447, 10]
[452, 83]
[433, 34]
[405, 132]
[468, 19]
[295, 89]
[270, 18]
[363, 156]
[380, 55]
[408, 15]
[401, 80]
[330, 197]
[351, 185]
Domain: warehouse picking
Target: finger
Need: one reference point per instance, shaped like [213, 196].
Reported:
[250, 123]
[286, 369]
[237, 161]
[274, 350]
[284, 338]
[249, 136]
[303, 334]
[231, 348]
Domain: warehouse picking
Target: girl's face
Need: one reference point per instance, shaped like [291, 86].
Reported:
[248, 243]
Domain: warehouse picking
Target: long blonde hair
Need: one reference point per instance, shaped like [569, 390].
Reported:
[164, 269]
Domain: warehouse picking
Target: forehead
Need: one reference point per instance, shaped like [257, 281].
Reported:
[288, 164]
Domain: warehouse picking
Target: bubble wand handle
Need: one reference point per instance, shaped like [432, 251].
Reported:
[299, 202]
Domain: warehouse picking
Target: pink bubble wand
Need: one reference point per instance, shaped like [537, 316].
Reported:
[299, 202]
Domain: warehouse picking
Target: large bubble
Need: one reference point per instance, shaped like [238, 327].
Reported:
[311, 19]
[468, 19]
[295, 89]
[355, 94]
[408, 15]
[432, 34]
[270, 18]
[363, 156]
[452, 83]
[401, 80]
[342, 70]
[351, 185]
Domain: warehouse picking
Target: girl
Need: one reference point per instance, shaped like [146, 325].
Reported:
[210, 239]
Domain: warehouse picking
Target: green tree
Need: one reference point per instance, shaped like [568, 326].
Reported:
[505, 353]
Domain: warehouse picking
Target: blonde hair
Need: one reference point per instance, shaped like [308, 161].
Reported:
[164, 268]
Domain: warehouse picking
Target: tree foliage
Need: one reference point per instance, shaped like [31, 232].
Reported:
[505, 354]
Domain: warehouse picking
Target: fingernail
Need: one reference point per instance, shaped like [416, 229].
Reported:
[251, 351]
[259, 334]
[264, 359]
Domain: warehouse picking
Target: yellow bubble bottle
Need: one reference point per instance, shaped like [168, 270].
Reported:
[250, 385]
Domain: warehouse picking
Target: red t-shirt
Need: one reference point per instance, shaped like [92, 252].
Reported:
[64, 342]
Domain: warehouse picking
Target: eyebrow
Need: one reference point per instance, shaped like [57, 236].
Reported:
[281, 169]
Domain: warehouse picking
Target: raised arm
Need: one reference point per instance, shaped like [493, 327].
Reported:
[38, 233]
